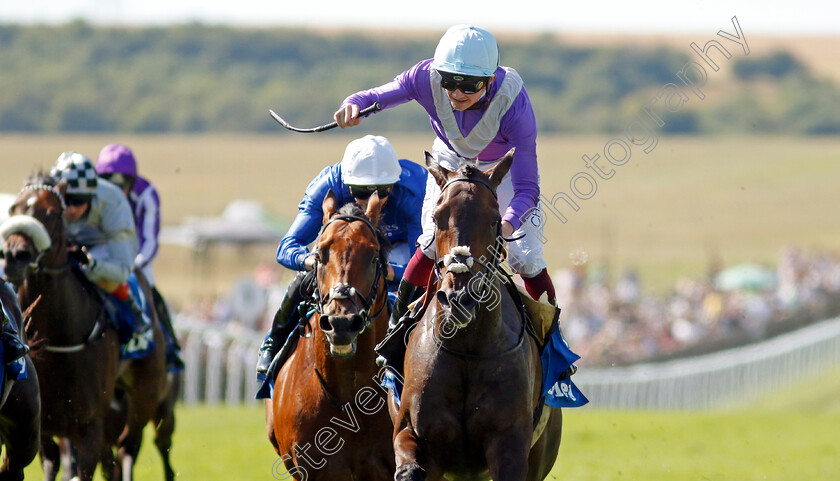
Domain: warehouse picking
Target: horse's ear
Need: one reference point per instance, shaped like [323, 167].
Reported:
[374, 207]
[438, 172]
[328, 206]
[501, 169]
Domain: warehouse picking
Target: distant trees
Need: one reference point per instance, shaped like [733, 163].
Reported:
[194, 78]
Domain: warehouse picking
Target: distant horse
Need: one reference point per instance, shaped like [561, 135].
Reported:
[79, 363]
[70, 320]
[327, 417]
[20, 408]
[472, 375]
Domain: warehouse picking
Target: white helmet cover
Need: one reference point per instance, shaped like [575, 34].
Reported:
[467, 50]
[370, 160]
[79, 172]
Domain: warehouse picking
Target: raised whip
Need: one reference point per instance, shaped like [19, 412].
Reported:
[373, 108]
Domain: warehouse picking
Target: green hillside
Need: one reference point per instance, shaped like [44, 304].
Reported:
[196, 78]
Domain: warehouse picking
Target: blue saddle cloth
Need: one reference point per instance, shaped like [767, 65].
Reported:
[16, 370]
[134, 345]
[556, 358]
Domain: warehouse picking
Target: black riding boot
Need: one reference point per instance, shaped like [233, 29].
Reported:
[392, 349]
[162, 310]
[13, 347]
[281, 326]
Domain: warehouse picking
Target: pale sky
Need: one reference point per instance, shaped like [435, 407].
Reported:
[765, 17]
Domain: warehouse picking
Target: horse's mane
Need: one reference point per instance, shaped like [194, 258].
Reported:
[40, 177]
[353, 208]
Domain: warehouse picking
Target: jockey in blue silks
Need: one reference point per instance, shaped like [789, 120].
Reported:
[369, 164]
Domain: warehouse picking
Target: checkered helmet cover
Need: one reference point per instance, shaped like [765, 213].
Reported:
[79, 172]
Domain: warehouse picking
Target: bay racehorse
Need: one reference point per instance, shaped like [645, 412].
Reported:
[79, 360]
[327, 418]
[472, 388]
[20, 407]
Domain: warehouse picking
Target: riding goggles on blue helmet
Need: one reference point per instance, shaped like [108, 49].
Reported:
[468, 85]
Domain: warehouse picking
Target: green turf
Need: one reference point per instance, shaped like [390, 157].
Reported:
[787, 436]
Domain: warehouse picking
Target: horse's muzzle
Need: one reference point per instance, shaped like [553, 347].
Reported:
[17, 265]
[459, 305]
[342, 332]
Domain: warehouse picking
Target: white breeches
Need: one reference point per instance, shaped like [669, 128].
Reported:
[525, 255]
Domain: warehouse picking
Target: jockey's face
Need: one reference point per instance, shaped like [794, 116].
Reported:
[463, 101]
[362, 193]
[76, 206]
[363, 203]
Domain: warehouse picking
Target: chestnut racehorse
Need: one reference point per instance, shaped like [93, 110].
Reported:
[327, 418]
[79, 360]
[471, 393]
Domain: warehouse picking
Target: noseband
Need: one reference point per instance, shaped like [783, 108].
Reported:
[36, 265]
[346, 291]
[460, 260]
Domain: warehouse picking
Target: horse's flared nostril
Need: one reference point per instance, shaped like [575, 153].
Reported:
[357, 323]
[325, 323]
[443, 298]
[465, 299]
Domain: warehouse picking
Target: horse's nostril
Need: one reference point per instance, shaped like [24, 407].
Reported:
[466, 300]
[357, 322]
[443, 298]
[325, 323]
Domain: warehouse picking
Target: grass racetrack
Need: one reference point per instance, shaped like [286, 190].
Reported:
[789, 436]
[668, 213]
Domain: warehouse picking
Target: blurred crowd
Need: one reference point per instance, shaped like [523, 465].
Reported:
[618, 323]
[615, 321]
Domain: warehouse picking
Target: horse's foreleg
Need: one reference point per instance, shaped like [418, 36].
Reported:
[164, 429]
[507, 456]
[411, 465]
[50, 458]
[88, 449]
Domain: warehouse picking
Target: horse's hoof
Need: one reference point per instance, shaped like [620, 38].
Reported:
[410, 472]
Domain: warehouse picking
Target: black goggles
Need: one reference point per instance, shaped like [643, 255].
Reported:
[118, 179]
[365, 191]
[468, 85]
[77, 200]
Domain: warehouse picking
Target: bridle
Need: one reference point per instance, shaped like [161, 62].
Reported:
[459, 258]
[344, 290]
[490, 270]
[36, 265]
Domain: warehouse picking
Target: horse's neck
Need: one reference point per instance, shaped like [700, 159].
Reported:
[64, 304]
[488, 329]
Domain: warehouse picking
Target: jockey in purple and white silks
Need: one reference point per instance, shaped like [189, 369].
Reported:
[479, 110]
[116, 163]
